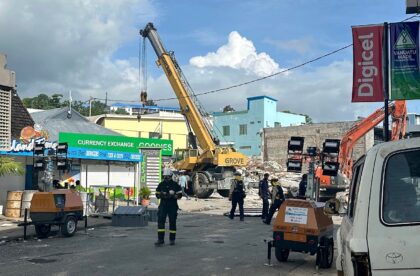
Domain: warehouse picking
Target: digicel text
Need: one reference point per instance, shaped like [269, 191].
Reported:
[365, 87]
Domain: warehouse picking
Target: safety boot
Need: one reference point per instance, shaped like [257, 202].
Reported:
[172, 242]
[159, 243]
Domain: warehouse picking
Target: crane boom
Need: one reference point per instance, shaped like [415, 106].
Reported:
[398, 113]
[212, 167]
[186, 100]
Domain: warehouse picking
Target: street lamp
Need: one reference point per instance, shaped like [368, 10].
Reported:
[294, 152]
[329, 157]
[412, 6]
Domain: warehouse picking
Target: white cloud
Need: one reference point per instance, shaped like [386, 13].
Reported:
[56, 46]
[324, 93]
[300, 46]
[238, 53]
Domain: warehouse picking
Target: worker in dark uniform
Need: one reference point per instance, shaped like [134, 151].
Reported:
[302, 186]
[264, 193]
[237, 195]
[277, 198]
[168, 191]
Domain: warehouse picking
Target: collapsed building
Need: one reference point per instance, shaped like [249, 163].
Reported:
[274, 142]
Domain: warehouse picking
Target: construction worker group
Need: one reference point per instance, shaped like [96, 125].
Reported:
[237, 195]
[169, 192]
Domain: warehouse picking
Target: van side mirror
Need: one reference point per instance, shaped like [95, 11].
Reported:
[332, 207]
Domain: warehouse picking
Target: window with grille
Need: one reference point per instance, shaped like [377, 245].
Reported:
[226, 130]
[242, 129]
[154, 135]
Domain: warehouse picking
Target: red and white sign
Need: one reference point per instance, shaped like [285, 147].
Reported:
[367, 64]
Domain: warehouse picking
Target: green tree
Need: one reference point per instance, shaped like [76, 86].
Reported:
[10, 166]
[228, 108]
[150, 103]
[121, 111]
[27, 102]
[42, 101]
[98, 108]
[55, 100]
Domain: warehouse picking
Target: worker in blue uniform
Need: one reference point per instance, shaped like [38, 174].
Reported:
[264, 194]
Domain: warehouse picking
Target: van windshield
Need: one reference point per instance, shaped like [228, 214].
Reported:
[400, 197]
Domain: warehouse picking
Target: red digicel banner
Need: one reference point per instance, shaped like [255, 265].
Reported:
[367, 64]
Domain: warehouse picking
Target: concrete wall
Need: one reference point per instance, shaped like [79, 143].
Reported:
[7, 77]
[275, 139]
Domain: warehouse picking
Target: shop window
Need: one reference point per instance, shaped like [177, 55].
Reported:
[226, 130]
[154, 135]
[242, 129]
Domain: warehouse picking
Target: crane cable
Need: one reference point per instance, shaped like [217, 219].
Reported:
[265, 77]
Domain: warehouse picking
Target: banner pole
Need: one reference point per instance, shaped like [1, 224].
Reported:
[386, 84]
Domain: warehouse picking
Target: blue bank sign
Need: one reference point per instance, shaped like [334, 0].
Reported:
[85, 153]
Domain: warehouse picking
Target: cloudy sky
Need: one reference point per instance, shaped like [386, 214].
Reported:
[92, 46]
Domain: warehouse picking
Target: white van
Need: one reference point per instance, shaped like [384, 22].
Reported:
[380, 232]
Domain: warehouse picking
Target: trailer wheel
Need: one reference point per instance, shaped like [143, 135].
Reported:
[42, 230]
[282, 254]
[326, 253]
[69, 227]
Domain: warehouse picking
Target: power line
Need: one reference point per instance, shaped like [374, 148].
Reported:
[243, 83]
[258, 79]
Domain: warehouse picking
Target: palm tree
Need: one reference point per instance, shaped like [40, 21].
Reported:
[10, 166]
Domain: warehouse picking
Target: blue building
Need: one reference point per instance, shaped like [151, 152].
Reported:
[243, 129]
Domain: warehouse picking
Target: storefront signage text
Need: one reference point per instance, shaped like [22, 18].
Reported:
[115, 143]
[18, 146]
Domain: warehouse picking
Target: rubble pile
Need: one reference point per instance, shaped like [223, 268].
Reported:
[256, 169]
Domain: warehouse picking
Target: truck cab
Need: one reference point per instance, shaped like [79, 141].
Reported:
[380, 231]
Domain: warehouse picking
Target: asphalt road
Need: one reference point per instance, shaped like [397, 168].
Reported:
[206, 245]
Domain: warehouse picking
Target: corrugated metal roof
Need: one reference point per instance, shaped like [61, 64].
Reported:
[152, 107]
[57, 120]
[20, 117]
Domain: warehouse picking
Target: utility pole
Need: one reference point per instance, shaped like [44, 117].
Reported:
[386, 84]
[90, 106]
[106, 102]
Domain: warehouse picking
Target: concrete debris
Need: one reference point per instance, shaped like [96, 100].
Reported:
[256, 169]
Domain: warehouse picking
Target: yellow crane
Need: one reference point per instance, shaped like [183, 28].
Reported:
[209, 165]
